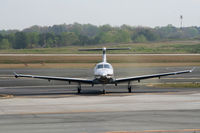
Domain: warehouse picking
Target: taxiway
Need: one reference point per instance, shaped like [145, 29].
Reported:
[39, 106]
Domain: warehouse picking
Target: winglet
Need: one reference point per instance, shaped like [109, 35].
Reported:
[16, 75]
[192, 69]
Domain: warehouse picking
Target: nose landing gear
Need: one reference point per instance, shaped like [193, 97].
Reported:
[104, 91]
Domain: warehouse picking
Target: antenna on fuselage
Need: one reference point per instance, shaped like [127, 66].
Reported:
[104, 49]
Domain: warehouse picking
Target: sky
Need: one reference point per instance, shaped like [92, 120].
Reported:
[20, 14]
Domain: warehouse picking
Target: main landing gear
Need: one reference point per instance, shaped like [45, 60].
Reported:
[104, 92]
[129, 87]
[79, 88]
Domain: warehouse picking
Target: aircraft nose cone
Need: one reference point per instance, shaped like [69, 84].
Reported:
[104, 74]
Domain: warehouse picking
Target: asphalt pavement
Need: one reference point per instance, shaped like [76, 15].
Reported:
[38, 106]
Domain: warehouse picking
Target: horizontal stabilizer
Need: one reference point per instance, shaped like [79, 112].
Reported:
[103, 49]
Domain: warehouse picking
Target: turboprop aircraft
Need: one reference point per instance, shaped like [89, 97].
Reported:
[103, 74]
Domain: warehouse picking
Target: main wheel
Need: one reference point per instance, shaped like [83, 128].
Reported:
[79, 90]
[129, 89]
[104, 92]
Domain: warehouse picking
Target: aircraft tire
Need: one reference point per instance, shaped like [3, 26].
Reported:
[104, 92]
[79, 90]
[130, 89]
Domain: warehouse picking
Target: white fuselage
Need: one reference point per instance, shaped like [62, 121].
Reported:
[103, 71]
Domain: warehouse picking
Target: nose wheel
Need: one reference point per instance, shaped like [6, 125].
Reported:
[104, 91]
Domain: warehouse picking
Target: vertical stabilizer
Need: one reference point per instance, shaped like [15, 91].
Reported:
[104, 55]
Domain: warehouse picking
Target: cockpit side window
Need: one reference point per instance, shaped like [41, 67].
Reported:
[100, 66]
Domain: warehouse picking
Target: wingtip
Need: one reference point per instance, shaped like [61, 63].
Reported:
[16, 75]
[192, 69]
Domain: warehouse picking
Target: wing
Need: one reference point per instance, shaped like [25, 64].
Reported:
[151, 76]
[78, 80]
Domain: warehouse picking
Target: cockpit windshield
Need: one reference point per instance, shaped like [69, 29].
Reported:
[103, 66]
[100, 66]
[106, 66]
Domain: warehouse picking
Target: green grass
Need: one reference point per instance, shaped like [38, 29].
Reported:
[182, 47]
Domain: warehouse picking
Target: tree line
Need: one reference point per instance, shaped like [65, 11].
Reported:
[88, 34]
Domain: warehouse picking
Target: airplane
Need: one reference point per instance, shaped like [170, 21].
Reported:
[103, 74]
